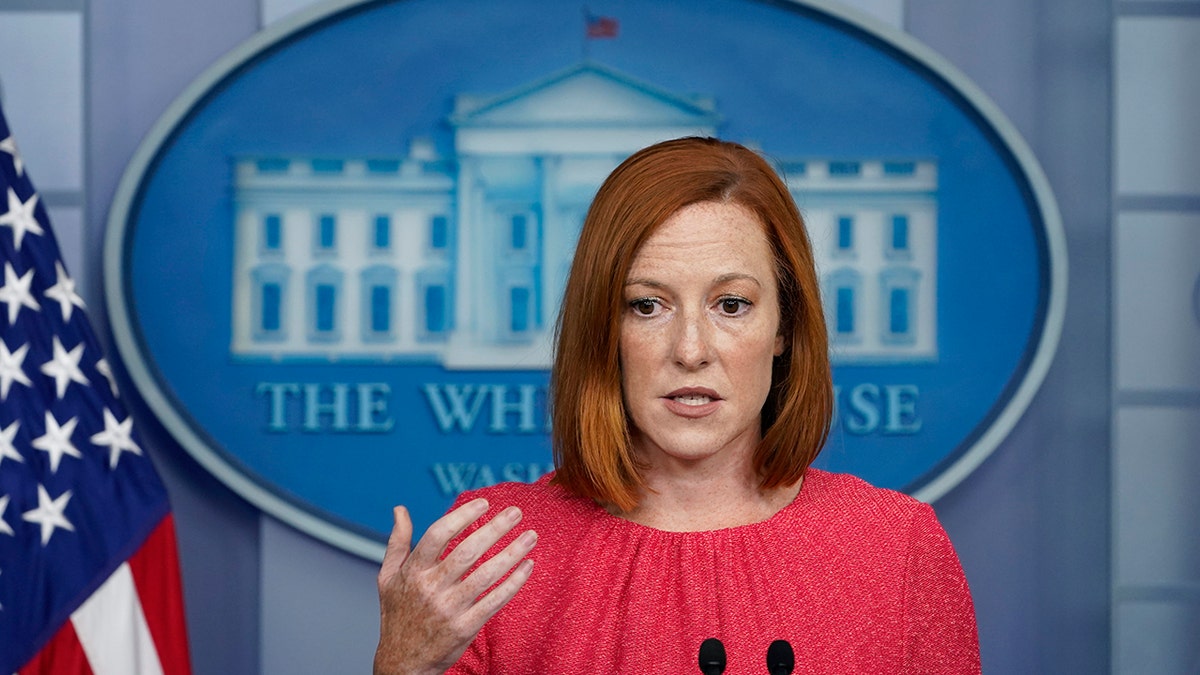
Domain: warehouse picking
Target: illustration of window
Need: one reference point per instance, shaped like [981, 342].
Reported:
[845, 309]
[326, 232]
[381, 298]
[519, 298]
[898, 304]
[272, 165]
[326, 306]
[383, 165]
[433, 305]
[520, 225]
[898, 242]
[439, 232]
[844, 168]
[324, 292]
[272, 232]
[899, 291]
[272, 298]
[844, 288]
[845, 234]
[793, 168]
[435, 309]
[382, 239]
[328, 165]
[268, 304]
[378, 286]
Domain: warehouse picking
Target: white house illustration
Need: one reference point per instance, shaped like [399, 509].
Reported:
[461, 260]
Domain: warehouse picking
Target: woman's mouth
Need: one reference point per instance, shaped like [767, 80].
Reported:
[693, 402]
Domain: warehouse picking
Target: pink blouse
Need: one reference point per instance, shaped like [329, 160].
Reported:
[857, 579]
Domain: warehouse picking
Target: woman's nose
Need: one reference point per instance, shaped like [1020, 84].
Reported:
[693, 341]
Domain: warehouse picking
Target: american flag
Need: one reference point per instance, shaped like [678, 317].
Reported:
[89, 573]
[600, 26]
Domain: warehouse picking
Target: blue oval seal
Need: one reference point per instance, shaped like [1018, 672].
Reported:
[334, 265]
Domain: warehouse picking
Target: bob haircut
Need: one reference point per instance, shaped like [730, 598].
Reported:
[591, 431]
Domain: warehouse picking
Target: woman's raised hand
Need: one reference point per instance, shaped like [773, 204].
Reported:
[430, 612]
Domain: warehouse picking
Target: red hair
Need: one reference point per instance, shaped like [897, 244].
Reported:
[591, 436]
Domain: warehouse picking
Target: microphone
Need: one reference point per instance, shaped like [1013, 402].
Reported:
[712, 657]
[781, 660]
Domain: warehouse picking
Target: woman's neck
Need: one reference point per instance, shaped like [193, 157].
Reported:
[699, 500]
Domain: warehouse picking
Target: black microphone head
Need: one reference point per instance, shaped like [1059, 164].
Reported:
[712, 657]
[781, 660]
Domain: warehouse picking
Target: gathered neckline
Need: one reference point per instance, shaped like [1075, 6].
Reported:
[618, 523]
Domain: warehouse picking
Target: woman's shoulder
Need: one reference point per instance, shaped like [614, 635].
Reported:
[844, 496]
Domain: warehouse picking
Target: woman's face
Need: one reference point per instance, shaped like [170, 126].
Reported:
[699, 332]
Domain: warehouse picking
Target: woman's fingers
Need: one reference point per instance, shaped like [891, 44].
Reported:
[446, 574]
[429, 610]
[487, 574]
[430, 547]
[398, 545]
[471, 549]
[488, 605]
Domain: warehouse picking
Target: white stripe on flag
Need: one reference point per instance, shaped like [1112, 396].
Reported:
[113, 630]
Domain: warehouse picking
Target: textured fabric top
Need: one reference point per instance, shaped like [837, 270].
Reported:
[857, 579]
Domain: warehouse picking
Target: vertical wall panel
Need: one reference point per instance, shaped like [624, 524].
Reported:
[1158, 93]
[1156, 500]
[1157, 320]
[1158, 638]
[41, 81]
[68, 229]
[42, 92]
[1156, 537]
[319, 611]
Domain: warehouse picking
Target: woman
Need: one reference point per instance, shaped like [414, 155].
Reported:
[691, 392]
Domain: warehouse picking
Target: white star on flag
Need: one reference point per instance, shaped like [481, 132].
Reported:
[9, 145]
[15, 292]
[7, 451]
[20, 217]
[104, 369]
[5, 528]
[57, 441]
[64, 367]
[118, 436]
[63, 291]
[49, 513]
[11, 368]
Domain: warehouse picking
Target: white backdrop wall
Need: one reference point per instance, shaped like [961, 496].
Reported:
[1050, 562]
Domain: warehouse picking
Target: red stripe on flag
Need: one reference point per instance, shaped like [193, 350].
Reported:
[155, 569]
[602, 27]
[62, 655]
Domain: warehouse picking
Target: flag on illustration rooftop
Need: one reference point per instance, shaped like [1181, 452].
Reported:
[600, 27]
[89, 574]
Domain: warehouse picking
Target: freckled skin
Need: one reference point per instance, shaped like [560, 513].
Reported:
[702, 312]
[430, 608]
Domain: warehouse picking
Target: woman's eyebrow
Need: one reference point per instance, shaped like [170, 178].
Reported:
[644, 282]
[738, 276]
[724, 278]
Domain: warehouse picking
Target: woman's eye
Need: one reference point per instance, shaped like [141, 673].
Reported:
[733, 305]
[644, 306]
